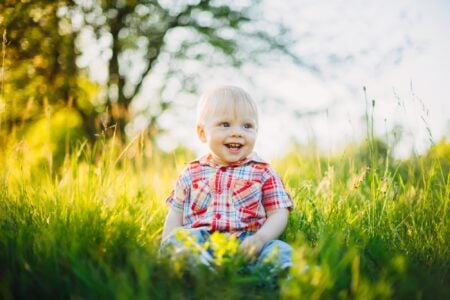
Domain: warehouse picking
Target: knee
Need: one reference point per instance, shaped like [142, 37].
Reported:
[177, 236]
[198, 234]
[277, 252]
[282, 247]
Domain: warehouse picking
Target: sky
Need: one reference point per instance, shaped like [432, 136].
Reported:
[398, 50]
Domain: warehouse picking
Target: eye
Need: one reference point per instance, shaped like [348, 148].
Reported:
[224, 124]
[248, 125]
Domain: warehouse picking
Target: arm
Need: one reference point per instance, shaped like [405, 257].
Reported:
[273, 227]
[174, 220]
[277, 203]
[176, 202]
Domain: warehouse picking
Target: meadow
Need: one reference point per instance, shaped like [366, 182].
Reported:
[87, 225]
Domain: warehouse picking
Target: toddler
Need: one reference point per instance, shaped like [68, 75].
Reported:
[230, 189]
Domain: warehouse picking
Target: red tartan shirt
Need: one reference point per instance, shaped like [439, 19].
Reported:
[232, 199]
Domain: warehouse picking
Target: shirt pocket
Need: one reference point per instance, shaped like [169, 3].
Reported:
[246, 197]
[200, 195]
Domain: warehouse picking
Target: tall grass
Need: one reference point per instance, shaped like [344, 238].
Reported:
[382, 233]
[86, 222]
[363, 227]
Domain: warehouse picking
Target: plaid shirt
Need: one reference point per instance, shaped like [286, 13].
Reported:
[231, 199]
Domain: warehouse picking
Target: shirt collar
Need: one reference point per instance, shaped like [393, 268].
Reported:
[207, 160]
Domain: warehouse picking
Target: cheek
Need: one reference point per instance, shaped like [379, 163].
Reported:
[214, 139]
[217, 135]
[252, 137]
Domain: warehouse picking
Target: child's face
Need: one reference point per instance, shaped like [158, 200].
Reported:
[230, 133]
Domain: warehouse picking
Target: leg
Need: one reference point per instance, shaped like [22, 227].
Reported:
[187, 242]
[277, 253]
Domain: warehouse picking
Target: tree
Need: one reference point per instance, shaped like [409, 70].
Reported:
[38, 58]
[43, 44]
[141, 29]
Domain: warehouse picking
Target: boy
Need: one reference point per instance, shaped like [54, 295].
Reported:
[230, 189]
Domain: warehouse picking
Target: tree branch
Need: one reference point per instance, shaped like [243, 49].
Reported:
[175, 22]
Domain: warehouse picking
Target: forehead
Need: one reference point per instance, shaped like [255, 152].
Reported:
[239, 108]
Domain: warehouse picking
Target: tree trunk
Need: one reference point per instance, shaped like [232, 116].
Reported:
[117, 104]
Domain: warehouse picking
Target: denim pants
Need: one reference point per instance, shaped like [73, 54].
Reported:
[276, 251]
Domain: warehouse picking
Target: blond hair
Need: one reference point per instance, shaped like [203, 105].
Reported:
[225, 95]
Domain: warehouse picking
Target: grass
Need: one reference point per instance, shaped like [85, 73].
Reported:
[366, 228]
[85, 223]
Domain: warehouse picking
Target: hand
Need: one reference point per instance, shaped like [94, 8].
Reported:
[251, 246]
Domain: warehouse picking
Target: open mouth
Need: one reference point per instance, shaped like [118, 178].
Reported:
[234, 146]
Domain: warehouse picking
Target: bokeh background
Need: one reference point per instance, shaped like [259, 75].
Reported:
[354, 109]
[398, 50]
[318, 70]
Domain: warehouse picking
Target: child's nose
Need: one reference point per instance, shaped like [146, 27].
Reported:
[236, 132]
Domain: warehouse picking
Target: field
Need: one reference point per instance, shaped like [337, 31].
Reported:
[87, 226]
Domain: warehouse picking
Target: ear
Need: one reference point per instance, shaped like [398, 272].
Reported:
[201, 133]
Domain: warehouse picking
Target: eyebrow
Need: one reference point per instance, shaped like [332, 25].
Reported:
[228, 119]
[249, 120]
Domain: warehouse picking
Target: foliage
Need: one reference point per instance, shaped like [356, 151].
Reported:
[45, 52]
[38, 58]
[91, 228]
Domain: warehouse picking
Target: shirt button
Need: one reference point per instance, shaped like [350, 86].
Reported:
[219, 191]
[218, 216]
[195, 186]
[223, 169]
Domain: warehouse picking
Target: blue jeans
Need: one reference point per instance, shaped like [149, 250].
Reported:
[277, 252]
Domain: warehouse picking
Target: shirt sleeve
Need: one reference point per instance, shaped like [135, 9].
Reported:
[274, 194]
[179, 196]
